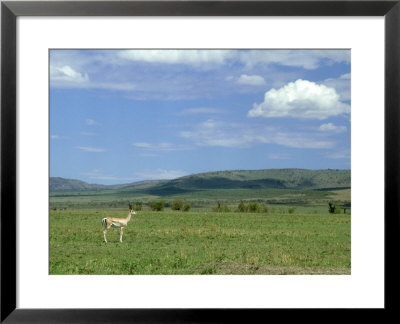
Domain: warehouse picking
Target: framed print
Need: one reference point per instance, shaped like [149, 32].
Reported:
[179, 160]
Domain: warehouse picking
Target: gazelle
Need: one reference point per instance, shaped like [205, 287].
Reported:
[117, 222]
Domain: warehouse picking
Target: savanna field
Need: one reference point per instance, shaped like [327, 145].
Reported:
[310, 241]
[237, 222]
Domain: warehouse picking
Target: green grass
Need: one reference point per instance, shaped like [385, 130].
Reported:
[200, 242]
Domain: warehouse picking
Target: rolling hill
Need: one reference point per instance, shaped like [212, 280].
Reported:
[58, 184]
[62, 184]
[235, 179]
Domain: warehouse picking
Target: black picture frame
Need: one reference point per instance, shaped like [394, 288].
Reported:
[10, 10]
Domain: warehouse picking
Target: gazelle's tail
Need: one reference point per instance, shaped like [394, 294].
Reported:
[104, 222]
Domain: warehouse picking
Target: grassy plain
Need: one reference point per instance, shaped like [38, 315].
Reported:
[292, 232]
[310, 241]
[200, 199]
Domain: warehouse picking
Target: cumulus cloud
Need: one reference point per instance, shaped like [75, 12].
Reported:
[253, 80]
[300, 99]
[191, 57]
[329, 127]
[66, 73]
[342, 85]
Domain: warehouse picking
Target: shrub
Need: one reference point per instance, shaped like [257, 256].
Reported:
[291, 210]
[337, 210]
[254, 207]
[177, 204]
[264, 208]
[221, 208]
[186, 207]
[333, 209]
[137, 206]
[157, 205]
[242, 207]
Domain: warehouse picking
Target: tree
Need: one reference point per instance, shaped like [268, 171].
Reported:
[157, 205]
[254, 207]
[186, 207]
[333, 209]
[177, 204]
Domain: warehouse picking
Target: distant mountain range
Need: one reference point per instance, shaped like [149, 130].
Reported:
[235, 179]
[63, 184]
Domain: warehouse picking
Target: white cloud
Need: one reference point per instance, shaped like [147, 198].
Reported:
[66, 73]
[92, 122]
[253, 80]
[160, 174]
[119, 86]
[98, 174]
[197, 111]
[342, 85]
[300, 99]
[91, 149]
[222, 134]
[215, 133]
[160, 147]
[147, 174]
[301, 140]
[58, 137]
[191, 57]
[338, 155]
[118, 70]
[329, 127]
[112, 86]
[307, 59]
[279, 156]
[67, 77]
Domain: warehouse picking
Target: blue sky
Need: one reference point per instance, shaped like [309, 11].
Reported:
[119, 116]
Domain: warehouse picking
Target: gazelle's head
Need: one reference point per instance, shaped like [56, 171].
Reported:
[131, 210]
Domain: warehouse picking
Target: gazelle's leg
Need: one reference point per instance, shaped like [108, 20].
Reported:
[104, 234]
[106, 228]
[120, 234]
